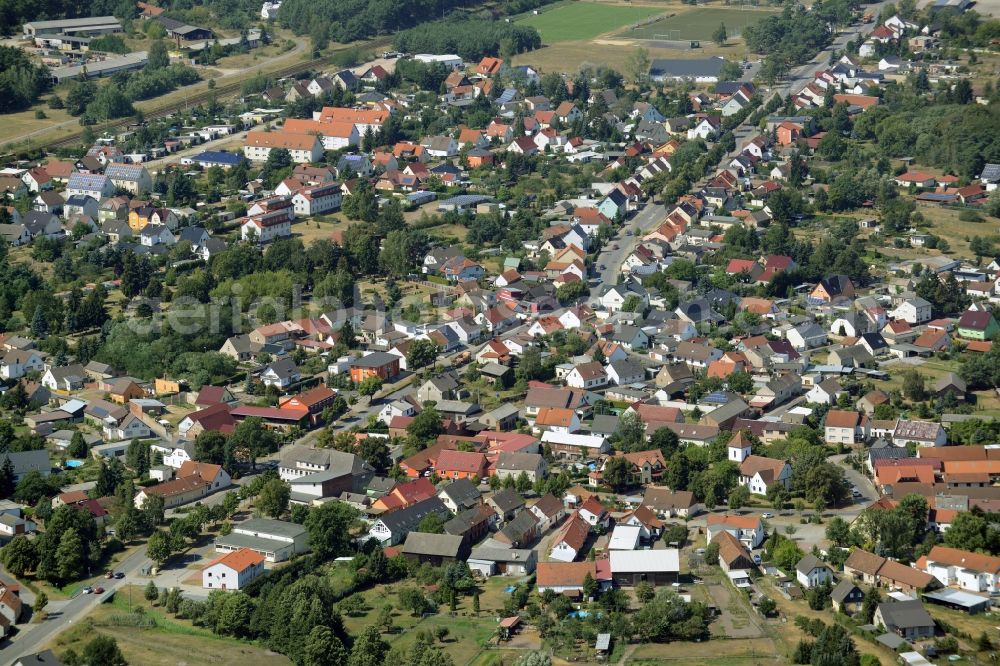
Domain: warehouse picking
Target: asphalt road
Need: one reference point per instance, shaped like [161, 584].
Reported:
[33, 637]
[610, 258]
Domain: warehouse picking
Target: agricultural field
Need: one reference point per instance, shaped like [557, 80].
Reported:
[586, 20]
[698, 24]
[590, 33]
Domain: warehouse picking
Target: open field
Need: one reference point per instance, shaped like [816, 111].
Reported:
[698, 24]
[586, 20]
[570, 57]
[23, 123]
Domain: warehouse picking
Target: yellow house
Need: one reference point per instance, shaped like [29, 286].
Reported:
[139, 217]
[143, 215]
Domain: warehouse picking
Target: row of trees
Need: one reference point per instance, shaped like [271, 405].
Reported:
[21, 80]
[470, 39]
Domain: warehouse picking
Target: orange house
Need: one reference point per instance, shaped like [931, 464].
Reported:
[452, 464]
[376, 364]
[788, 133]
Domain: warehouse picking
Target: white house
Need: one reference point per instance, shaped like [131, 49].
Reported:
[394, 409]
[806, 336]
[232, 571]
[280, 374]
[570, 539]
[587, 376]
[970, 571]
[921, 433]
[131, 427]
[748, 529]
[825, 393]
[913, 310]
[812, 572]
[16, 363]
[614, 296]
[625, 372]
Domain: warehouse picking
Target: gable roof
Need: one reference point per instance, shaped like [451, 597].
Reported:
[239, 560]
[573, 533]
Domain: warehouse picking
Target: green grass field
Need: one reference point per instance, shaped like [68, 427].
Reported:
[698, 24]
[585, 20]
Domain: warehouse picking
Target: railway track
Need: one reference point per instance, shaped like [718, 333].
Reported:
[219, 92]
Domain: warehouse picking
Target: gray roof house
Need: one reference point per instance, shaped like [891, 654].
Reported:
[909, 619]
[27, 461]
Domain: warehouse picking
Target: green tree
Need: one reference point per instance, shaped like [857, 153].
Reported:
[109, 475]
[77, 446]
[150, 592]
[738, 498]
[69, 556]
[19, 556]
[719, 35]
[323, 648]
[617, 472]
[7, 478]
[838, 531]
[159, 547]
[328, 526]
[273, 498]
[396, 256]
[413, 600]
[431, 524]
[103, 650]
[369, 649]
[370, 385]
[740, 382]
[421, 354]
[426, 425]
[913, 386]
[157, 56]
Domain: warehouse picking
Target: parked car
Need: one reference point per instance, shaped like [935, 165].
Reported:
[766, 515]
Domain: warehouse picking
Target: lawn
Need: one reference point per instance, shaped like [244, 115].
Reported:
[743, 651]
[698, 24]
[585, 20]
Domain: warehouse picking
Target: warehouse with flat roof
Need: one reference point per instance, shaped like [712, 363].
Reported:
[88, 26]
[100, 67]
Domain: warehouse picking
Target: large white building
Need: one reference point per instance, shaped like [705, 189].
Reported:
[267, 227]
[970, 571]
[275, 540]
[317, 200]
[303, 148]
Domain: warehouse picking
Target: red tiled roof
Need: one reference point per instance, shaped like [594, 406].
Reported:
[239, 560]
[460, 461]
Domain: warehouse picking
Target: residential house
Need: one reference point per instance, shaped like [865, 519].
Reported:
[909, 619]
[233, 571]
[748, 529]
[811, 572]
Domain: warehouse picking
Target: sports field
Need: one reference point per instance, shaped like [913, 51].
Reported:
[698, 23]
[586, 20]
